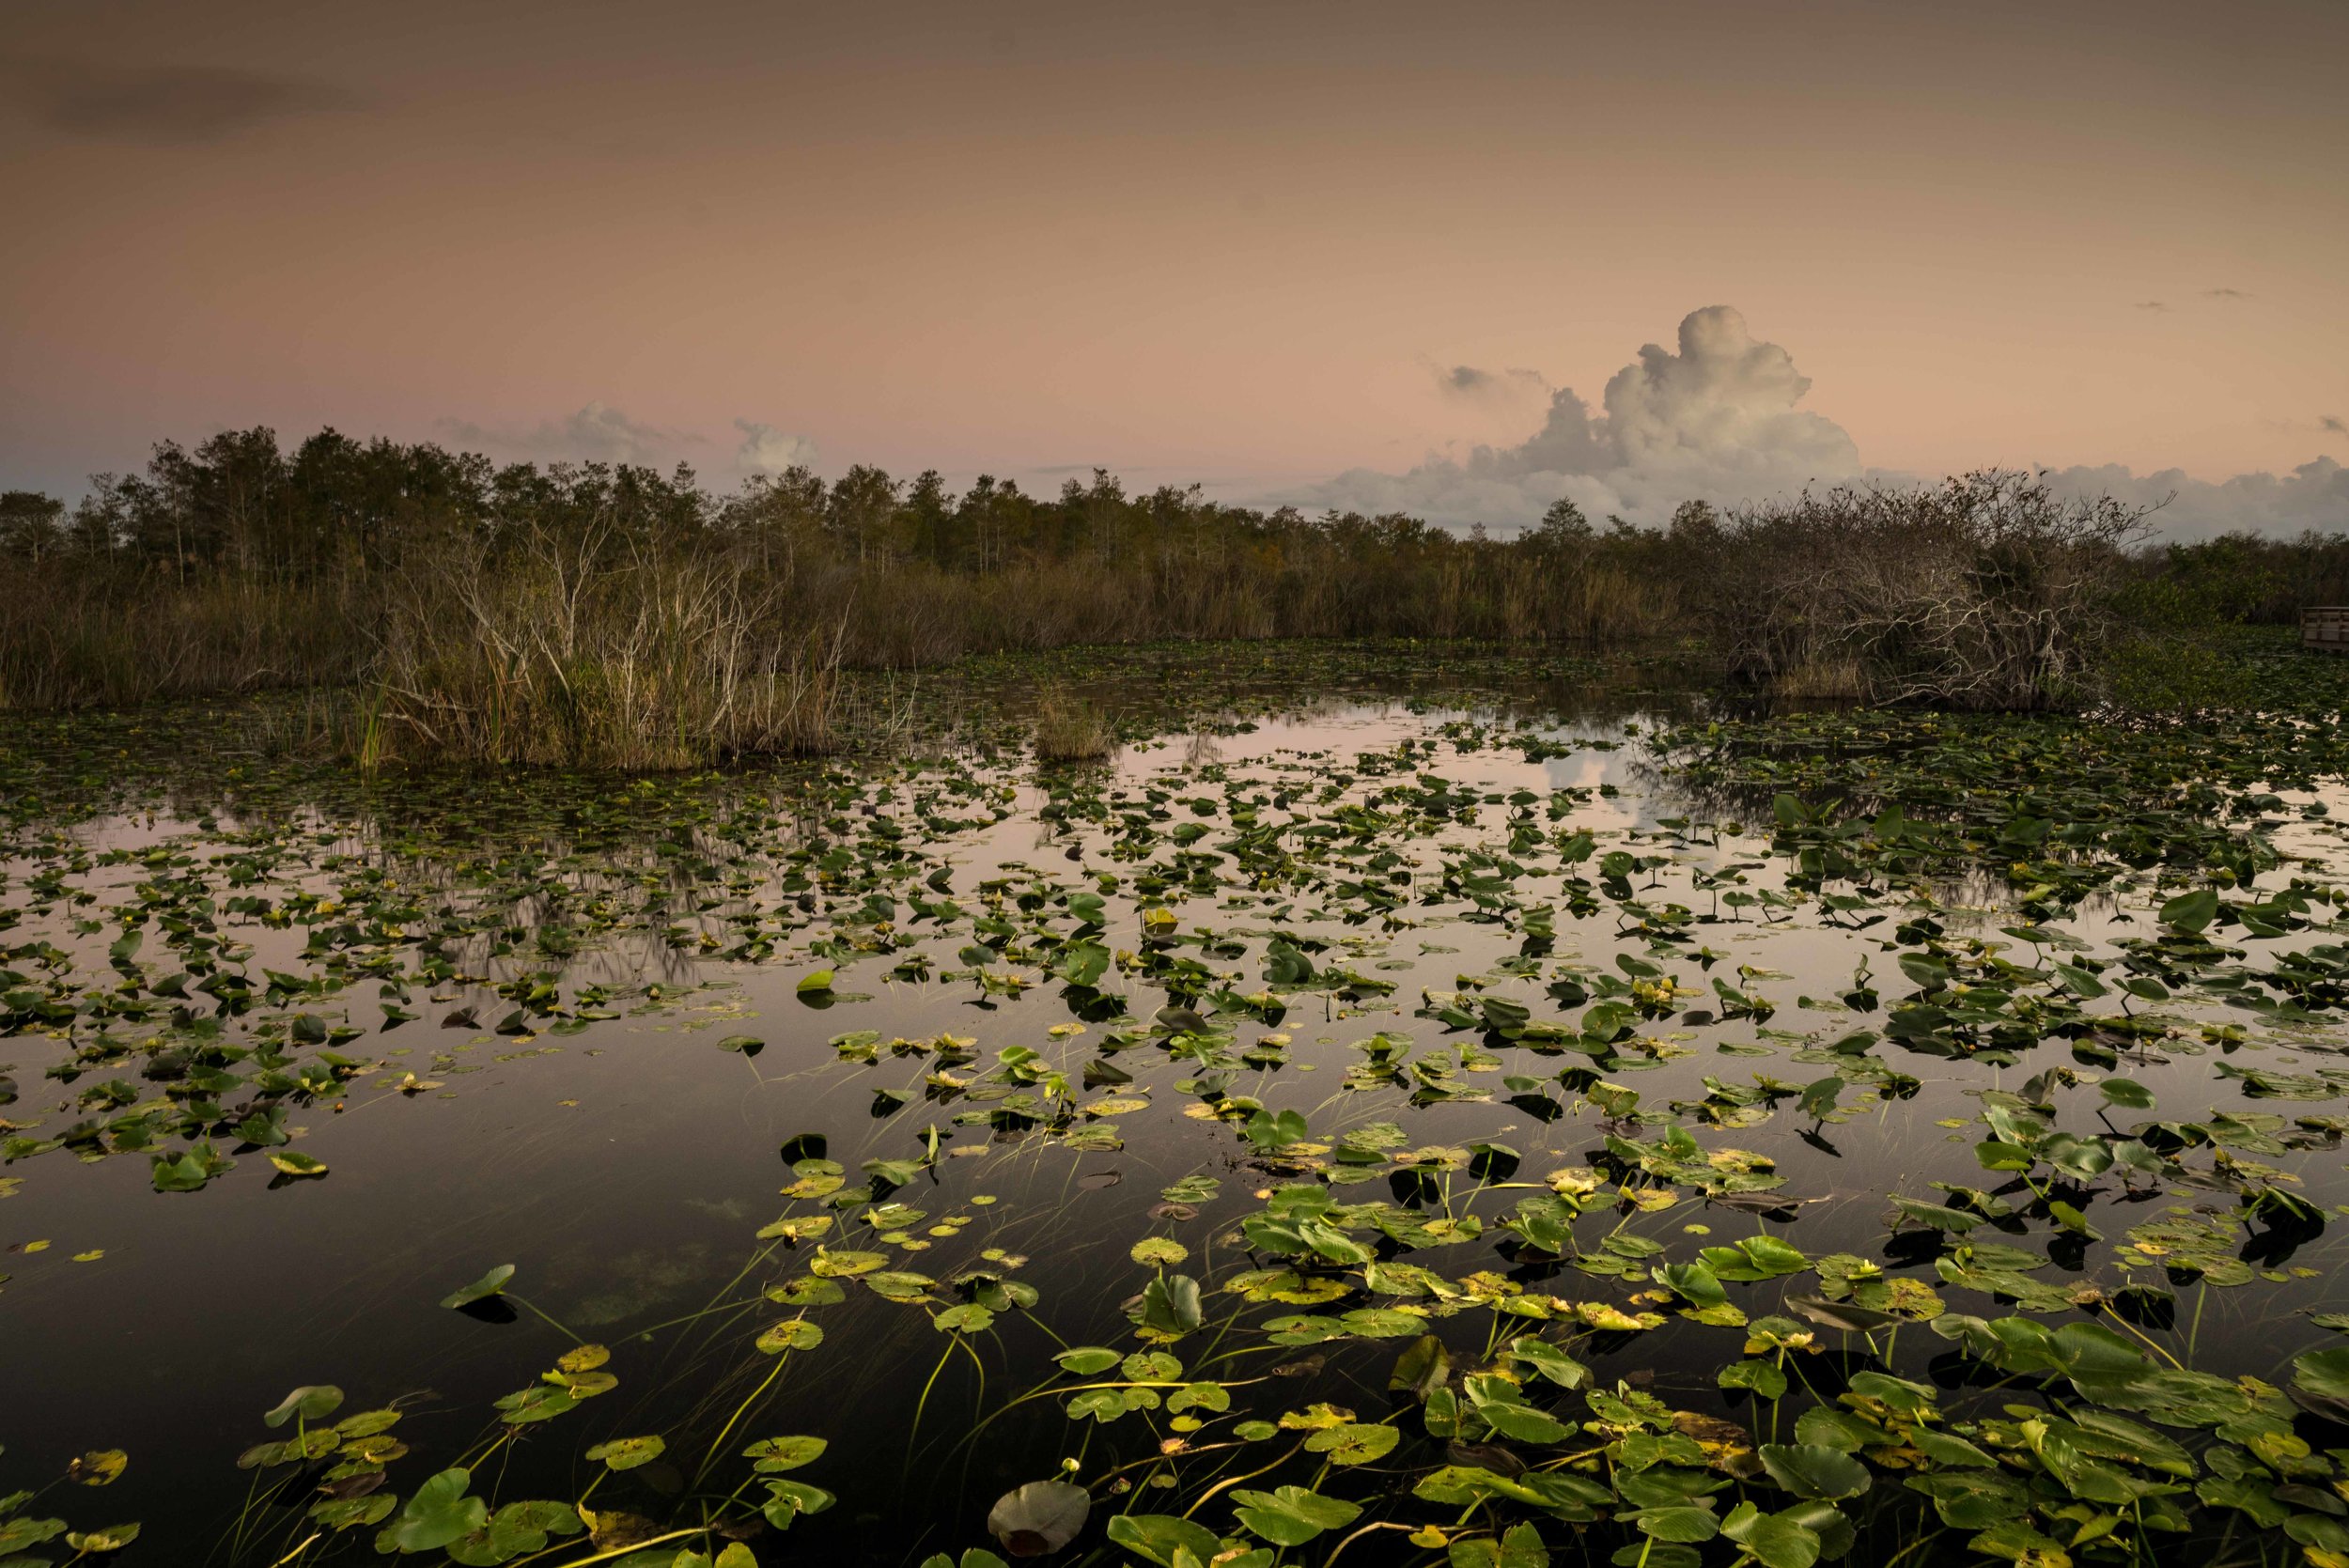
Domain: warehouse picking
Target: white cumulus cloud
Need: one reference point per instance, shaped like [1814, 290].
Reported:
[2313, 495]
[1714, 416]
[768, 450]
[1717, 418]
[597, 432]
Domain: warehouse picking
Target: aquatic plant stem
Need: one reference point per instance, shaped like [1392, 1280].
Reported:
[1238, 1479]
[741, 1410]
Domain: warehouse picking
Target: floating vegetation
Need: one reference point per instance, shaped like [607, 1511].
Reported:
[1506, 1127]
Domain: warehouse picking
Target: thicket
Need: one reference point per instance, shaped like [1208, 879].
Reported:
[614, 613]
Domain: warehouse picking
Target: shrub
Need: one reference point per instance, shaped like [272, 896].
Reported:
[1986, 592]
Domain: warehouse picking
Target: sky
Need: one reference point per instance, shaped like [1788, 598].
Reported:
[1459, 260]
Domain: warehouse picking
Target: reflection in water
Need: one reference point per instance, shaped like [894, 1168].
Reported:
[581, 1027]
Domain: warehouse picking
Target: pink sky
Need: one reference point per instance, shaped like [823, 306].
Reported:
[1226, 243]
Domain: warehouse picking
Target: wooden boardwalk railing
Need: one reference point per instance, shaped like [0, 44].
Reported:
[2326, 628]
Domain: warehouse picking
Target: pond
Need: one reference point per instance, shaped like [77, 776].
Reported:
[1435, 1115]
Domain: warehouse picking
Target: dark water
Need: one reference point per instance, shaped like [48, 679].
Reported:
[624, 1168]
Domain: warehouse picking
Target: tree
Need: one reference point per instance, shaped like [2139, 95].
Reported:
[32, 525]
[1563, 524]
[862, 513]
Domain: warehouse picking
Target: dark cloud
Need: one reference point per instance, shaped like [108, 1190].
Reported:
[2331, 423]
[2151, 305]
[1467, 383]
[167, 105]
[2224, 294]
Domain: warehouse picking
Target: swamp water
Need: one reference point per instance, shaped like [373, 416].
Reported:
[1491, 1132]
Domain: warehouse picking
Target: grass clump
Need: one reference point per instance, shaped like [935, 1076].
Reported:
[575, 650]
[1072, 729]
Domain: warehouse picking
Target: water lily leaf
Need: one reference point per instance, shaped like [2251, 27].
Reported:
[111, 1539]
[293, 1162]
[1421, 1368]
[1818, 1099]
[2191, 911]
[1161, 1538]
[1812, 1470]
[339, 1513]
[831, 1264]
[1354, 1443]
[1764, 1379]
[625, 1454]
[787, 1499]
[18, 1533]
[1159, 1251]
[1170, 1305]
[2320, 1382]
[807, 1290]
[775, 1454]
[1087, 1359]
[98, 1468]
[526, 1407]
[1040, 1518]
[488, 1284]
[1520, 1546]
[816, 981]
[581, 1358]
[793, 1333]
[1951, 1452]
[1846, 1315]
[1198, 1396]
[969, 1318]
[1776, 1540]
[311, 1401]
[183, 1172]
[1291, 1515]
[1678, 1523]
[439, 1513]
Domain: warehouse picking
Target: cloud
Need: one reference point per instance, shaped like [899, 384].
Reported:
[1465, 383]
[597, 432]
[1717, 419]
[768, 450]
[2224, 294]
[2151, 305]
[2313, 495]
[1714, 416]
[168, 105]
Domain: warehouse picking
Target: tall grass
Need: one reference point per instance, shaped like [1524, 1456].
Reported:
[618, 618]
[1072, 729]
[577, 650]
[114, 639]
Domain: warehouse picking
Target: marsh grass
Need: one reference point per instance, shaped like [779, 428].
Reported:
[594, 615]
[112, 640]
[1072, 729]
[570, 650]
